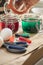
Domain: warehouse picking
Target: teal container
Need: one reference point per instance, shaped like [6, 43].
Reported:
[31, 25]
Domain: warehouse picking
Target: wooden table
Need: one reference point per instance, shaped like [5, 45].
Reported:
[32, 55]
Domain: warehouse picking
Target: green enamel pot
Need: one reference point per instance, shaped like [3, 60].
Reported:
[31, 25]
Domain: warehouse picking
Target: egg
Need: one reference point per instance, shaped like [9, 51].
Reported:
[1, 41]
[6, 33]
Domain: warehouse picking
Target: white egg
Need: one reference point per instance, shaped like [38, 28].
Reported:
[6, 33]
[1, 41]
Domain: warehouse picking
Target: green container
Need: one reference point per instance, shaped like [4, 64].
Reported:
[31, 25]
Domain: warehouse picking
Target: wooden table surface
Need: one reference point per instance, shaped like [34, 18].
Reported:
[7, 58]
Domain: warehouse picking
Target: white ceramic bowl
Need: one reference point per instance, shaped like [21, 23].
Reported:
[37, 10]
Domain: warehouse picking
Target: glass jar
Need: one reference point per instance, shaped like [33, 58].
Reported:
[10, 22]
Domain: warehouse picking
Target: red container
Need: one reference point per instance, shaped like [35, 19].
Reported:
[2, 25]
[13, 24]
